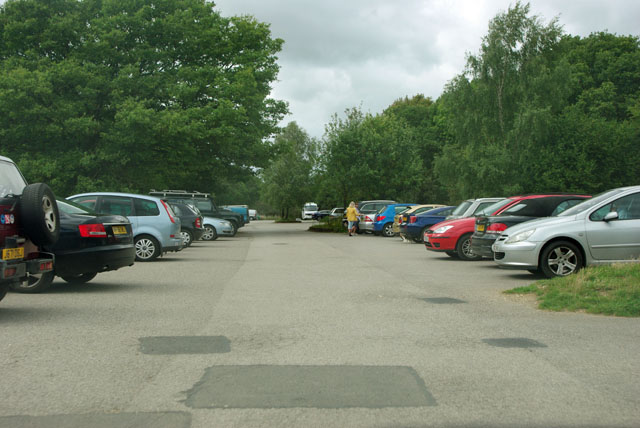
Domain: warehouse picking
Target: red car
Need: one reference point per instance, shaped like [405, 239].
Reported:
[454, 236]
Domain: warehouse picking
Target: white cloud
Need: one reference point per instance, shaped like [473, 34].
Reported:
[342, 54]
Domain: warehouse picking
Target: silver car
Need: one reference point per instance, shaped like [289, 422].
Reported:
[471, 206]
[601, 230]
[156, 229]
[215, 227]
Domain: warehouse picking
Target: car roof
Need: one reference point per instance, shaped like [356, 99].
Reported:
[136, 195]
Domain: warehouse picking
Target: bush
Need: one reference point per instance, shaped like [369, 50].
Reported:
[329, 224]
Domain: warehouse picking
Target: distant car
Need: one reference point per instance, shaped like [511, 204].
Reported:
[487, 228]
[156, 228]
[417, 224]
[216, 227]
[309, 210]
[253, 214]
[29, 220]
[321, 214]
[383, 221]
[601, 230]
[415, 210]
[336, 212]
[89, 244]
[471, 207]
[191, 222]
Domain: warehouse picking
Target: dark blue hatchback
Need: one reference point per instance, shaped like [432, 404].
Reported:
[416, 226]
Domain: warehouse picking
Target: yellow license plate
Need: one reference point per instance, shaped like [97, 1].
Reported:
[119, 230]
[13, 253]
[480, 228]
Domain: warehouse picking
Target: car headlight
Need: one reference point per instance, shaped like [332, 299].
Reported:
[519, 237]
[442, 229]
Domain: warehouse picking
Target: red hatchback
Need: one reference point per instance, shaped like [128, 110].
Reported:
[453, 237]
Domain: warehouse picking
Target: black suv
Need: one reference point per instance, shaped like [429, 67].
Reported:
[203, 202]
[29, 219]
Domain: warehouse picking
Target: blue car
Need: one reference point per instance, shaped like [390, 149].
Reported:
[382, 223]
[416, 226]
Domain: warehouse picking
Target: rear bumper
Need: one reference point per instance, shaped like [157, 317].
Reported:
[94, 260]
[481, 245]
[12, 271]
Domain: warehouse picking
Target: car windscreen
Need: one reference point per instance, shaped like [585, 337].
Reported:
[589, 203]
[69, 207]
[311, 207]
[11, 180]
[460, 209]
[489, 210]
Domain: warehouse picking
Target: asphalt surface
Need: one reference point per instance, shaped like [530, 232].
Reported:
[282, 327]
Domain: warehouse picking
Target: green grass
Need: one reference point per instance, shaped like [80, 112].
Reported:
[608, 290]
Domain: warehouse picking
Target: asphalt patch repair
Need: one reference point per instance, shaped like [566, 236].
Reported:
[514, 342]
[176, 345]
[326, 387]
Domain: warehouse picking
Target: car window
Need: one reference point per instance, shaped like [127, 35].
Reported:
[69, 207]
[628, 208]
[590, 203]
[494, 207]
[11, 179]
[401, 209]
[482, 205]
[460, 209]
[87, 201]
[146, 208]
[118, 205]
[564, 205]
[176, 209]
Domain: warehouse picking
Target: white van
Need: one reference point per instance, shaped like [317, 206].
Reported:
[308, 210]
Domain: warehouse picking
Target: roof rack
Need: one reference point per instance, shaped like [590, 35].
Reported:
[185, 193]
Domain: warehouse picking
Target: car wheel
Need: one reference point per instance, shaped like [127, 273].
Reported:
[560, 258]
[39, 214]
[147, 248]
[234, 228]
[79, 279]
[187, 237]
[210, 233]
[387, 230]
[34, 283]
[452, 254]
[463, 249]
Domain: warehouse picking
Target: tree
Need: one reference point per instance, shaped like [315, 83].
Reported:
[129, 95]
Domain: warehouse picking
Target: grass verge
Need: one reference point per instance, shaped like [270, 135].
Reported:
[329, 225]
[608, 290]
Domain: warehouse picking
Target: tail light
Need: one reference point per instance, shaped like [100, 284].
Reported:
[413, 219]
[496, 227]
[380, 217]
[367, 218]
[46, 266]
[94, 230]
[166, 207]
[198, 223]
[10, 271]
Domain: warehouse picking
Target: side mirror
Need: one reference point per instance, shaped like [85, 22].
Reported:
[613, 215]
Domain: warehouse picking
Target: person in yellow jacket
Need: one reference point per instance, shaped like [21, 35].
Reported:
[352, 217]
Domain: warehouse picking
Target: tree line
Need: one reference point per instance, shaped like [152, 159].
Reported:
[133, 95]
[535, 110]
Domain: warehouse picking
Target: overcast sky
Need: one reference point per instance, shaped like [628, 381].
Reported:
[347, 53]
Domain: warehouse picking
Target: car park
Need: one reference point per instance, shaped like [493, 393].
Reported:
[29, 220]
[487, 228]
[202, 201]
[191, 222]
[415, 210]
[156, 228]
[88, 244]
[414, 227]
[601, 230]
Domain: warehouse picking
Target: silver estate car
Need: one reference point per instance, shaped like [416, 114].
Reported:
[471, 206]
[156, 229]
[603, 229]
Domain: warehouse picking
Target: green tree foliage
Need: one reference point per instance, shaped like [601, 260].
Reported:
[288, 179]
[133, 95]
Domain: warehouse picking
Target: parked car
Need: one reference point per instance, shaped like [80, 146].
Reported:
[29, 220]
[600, 230]
[215, 227]
[336, 212]
[368, 209]
[204, 202]
[89, 244]
[417, 224]
[383, 221]
[471, 207]
[399, 218]
[453, 237]
[321, 214]
[191, 222]
[253, 215]
[243, 210]
[309, 210]
[487, 228]
[156, 228]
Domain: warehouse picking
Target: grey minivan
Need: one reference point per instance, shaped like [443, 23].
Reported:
[156, 229]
